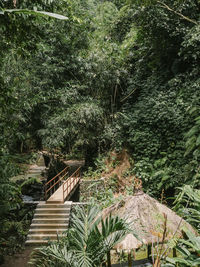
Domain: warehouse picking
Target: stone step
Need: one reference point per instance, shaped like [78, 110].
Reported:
[49, 222]
[36, 242]
[56, 202]
[35, 171]
[53, 210]
[50, 225]
[47, 231]
[47, 237]
[53, 220]
[53, 205]
[51, 215]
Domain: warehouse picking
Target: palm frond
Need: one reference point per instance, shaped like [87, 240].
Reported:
[52, 255]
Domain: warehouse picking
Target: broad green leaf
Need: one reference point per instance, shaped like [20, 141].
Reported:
[198, 140]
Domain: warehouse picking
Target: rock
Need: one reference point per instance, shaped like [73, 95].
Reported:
[40, 160]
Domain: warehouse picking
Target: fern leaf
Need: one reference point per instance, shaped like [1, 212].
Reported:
[192, 131]
[198, 140]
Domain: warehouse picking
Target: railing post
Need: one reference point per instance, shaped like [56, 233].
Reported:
[67, 187]
[63, 192]
[45, 190]
[70, 183]
[50, 185]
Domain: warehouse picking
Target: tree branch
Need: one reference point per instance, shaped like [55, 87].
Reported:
[133, 91]
[177, 13]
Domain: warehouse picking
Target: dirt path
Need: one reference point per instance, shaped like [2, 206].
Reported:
[18, 260]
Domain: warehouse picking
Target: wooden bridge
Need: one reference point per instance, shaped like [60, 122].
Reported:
[51, 216]
[61, 187]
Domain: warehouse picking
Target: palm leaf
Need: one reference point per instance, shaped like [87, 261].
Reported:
[34, 12]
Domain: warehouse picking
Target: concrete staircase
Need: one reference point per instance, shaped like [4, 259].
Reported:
[50, 221]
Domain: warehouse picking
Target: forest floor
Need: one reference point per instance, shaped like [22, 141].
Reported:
[18, 260]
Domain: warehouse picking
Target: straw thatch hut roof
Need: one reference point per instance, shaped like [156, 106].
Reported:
[147, 217]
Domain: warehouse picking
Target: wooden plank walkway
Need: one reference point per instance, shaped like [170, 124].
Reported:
[70, 186]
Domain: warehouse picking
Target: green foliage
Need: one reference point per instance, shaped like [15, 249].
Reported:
[105, 198]
[33, 12]
[15, 226]
[53, 255]
[116, 74]
[14, 217]
[161, 87]
[76, 125]
[9, 193]
[187, 204]
[89, 238]
[189, 250]
[27, 184]
[193, 135]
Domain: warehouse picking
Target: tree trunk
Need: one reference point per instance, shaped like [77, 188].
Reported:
[149, 252]
[174, 253]
[108, 259]
[129, 260]
[134, 254]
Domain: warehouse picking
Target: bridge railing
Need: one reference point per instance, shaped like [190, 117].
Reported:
[52, 185]
[70, 183]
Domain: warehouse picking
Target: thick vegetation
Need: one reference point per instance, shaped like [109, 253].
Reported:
[110, 75]
[86, 244]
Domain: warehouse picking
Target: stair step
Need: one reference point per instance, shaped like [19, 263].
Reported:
[43, 237]
[56, 202]
[51, 215]
[50, 225]
[52, 210]
[36, 242]
[50, 221]
[49, 207]
[47, 231]
[55, 220]
[52, 205]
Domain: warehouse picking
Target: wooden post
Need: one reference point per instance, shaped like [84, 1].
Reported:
[63, 187]
[134, 254]
[108, 259]
[129, 259]
[174, 253]
[149, 252]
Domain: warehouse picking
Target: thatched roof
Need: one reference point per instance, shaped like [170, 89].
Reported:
[146, 216]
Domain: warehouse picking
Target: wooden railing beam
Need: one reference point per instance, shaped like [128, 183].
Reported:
[52, 187]
[57, 175]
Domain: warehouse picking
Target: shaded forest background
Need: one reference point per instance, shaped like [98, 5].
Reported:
[121, 74]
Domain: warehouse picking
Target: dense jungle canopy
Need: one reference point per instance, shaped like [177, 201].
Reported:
[115, 74]
[111, 75]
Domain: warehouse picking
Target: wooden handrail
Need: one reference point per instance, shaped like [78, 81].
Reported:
[56, 175]
[71, 181]
[77, 170]
[64, 172]
[56, 182]
[67, 186]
